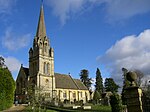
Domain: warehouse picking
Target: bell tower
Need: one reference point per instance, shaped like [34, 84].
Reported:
[41, 59]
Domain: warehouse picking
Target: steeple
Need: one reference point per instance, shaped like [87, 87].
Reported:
[41, 29]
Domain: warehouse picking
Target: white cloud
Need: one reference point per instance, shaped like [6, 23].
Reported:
[64, 8]
[14, 42]
[123, 9]
[131, 52]
[116, 10]
[6, 5]
[12, 63]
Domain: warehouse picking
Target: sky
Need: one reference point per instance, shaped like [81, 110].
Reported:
[85, 34]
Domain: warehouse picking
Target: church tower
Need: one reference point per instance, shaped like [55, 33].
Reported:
[41, 59]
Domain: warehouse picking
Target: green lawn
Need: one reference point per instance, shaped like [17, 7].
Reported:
[95, 108]
[29, 109]
[100, 108]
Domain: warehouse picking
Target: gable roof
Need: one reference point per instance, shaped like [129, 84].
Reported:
[23, 73]
[26, 71]
[80, 85]
[64, 81]
[67, 82]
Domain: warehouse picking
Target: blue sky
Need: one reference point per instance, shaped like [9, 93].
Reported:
[85, 34]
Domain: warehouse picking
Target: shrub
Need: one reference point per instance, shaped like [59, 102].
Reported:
[96, 97]
[66, 101]
[115, 102]
[7, 88]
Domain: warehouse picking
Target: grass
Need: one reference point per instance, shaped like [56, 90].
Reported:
[95, 108]
[99, 108]
[29, 109]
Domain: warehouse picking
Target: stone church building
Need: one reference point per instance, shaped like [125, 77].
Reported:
[41, 72]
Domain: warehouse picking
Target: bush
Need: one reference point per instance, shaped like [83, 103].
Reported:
[66, 101]
[7, 88]
[96, 97]
[115, 102]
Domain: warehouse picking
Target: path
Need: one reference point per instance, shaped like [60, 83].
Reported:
[18, 108]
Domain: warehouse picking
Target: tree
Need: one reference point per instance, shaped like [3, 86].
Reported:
[7, 86]
[115, 102]
[110, 85]
[35, 97]
[2, 62]
[99, 82]
[96, 97]
[84, 76]
[125, 85]
[140, 75]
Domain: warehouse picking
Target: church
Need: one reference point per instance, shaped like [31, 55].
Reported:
[41, 72]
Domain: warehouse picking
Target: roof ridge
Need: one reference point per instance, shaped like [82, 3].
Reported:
[74, 82]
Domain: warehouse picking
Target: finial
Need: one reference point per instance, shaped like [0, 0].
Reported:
[131, 77]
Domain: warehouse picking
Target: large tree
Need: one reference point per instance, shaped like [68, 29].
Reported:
[84, 76]
[99, 82]
[110, 85]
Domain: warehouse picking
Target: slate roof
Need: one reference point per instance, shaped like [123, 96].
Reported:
[26, 71]
[64, 81]
[67, 82]
[80, 85]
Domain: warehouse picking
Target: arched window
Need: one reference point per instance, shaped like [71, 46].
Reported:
[48, 68]
[74, 95]
[45, 48]
[65, 95]
[45, 68]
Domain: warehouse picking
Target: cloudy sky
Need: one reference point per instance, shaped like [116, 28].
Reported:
[85, 34]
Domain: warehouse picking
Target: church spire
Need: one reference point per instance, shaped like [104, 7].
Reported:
[41, 29]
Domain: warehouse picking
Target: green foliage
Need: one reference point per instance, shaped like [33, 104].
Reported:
[7, 88]
[99, 82]
[115, 102]
[99, 108]
[35, 96]
[126, 84]
[110, 85]
[96, 97]
[2, 61]
[84, 76]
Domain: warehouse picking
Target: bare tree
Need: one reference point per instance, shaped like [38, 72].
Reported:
[140, 75]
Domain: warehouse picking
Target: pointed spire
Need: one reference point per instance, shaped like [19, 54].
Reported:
[41, 29]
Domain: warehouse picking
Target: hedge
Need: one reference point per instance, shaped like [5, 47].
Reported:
[7, 88]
